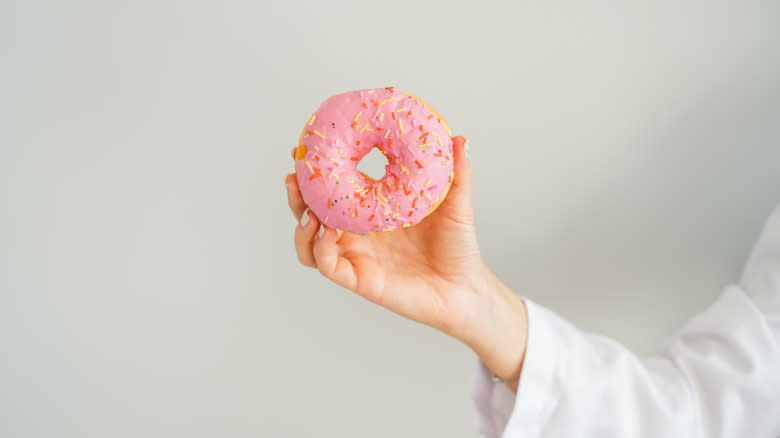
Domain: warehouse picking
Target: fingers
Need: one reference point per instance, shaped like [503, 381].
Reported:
[463, 172]
[308, 224]
[305, 235]
[330, 263]
[294, 197]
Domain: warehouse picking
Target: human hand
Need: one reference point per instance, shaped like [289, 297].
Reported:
[431, 272]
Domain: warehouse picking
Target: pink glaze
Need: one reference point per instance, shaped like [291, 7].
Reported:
[345, 128]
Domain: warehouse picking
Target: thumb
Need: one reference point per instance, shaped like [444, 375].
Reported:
[458, 200]
[463, 173]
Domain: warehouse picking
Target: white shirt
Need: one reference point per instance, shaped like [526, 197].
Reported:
[718, 377]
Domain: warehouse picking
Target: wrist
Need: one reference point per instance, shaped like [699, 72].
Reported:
[497, 330]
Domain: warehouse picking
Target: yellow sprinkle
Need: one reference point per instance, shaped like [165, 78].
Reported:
[424, 145]
[334, 160]
[366, 128]
[401, 126]
[439, 139]
[404, 169]
[370, 91]
[360, 113]
[316, 148]
[444, 163]
[351, 181]
[427, 183]
[426, 195]
[400, 110]
[405, 224]
[305, 135]
[319, 134]
[309, 166]
[341, 152]
[381, 116]
[387, 133]
[311, 122]
[382, 102]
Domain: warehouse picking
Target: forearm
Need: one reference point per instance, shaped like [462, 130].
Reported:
[498, 328]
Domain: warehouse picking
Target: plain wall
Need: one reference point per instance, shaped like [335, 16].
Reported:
[626, 155]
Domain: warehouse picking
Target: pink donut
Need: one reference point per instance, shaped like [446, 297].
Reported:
[411, 135]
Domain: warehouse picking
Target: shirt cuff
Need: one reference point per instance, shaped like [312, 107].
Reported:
[502, 413]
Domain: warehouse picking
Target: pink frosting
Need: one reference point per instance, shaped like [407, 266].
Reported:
[345, 128]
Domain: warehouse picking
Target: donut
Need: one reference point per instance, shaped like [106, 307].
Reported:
[415, 140]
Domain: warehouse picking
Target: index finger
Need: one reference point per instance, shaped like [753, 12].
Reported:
[294, 197]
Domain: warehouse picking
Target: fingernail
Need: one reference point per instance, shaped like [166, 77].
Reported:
[305, 218]
[467, 147]
[322, 231]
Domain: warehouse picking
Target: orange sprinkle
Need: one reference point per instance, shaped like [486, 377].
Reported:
[409, 114]
[329, 202]
[419, 164]
[414, 202]
[372, 217]
[393, 114]
[356, 212]
[364, 105]
[411, 212]
[354, 125]
[390, 143]
[317, 157]
[420, 195]
[316, 175]
[421, 129]
[430, 117]
[354, 158]
[378, 128]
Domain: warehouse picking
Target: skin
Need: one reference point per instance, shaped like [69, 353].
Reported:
[431, 273]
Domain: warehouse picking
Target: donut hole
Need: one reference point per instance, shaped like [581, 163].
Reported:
[373, 164]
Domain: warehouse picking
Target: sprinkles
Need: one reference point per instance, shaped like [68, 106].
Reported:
[393, 201]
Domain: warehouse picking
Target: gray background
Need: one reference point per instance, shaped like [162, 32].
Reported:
[625, 157]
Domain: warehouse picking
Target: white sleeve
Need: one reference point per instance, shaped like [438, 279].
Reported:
[719, 376]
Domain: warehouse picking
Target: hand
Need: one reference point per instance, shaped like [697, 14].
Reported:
[431, 273]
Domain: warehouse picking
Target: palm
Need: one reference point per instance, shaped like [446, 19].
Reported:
[418, 272]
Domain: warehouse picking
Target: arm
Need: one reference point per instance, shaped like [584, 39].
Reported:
[719, 376]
